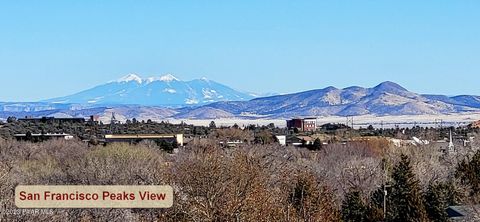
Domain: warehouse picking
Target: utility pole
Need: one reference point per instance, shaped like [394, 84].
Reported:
[352, 122]
[385, 183]
[385, 189]
[113, 121]
[381, 123]
[349, 121]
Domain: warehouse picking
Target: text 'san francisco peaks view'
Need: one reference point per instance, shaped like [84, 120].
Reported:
[240, 111]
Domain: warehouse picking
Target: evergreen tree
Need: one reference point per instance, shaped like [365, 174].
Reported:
[264, 137]
[28, 136]
[405, 200]
[317, 144]
[370, 128]
[295, 130]
[304, 143]
[436, 203]
[212, 125]
[313, 201]
[353, 207]
[467, 172]
[375, 206]
[11, 119]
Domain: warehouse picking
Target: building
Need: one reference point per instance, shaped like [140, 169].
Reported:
[464, 213]
[38, 137]
[282, 139]
[306, 124]
[52, 120]
[295, 124]
[231, 143]
[451, 146]
[309, 124]
[136, 138]
[301, 140]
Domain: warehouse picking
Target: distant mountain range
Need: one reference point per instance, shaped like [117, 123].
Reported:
[387, 98]
[153, 98]
[165, 90]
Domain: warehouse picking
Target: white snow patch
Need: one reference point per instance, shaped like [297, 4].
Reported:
[129, 78]
[191, 101]
[209, 93]
[169, 90]
[63, 101]
[152, 79]
[204, 79]
[136, 78]
[164, 78]
[95, 100]
[168, 78]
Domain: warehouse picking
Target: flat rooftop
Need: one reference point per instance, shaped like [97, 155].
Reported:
[39, 134]
[140, 136]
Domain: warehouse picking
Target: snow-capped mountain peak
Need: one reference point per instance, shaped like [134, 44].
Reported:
[168, 78]
[158, 90]
[164, 78]
[129, 78]
[151, 79]
[140, 80]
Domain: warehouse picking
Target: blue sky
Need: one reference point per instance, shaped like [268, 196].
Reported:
[55, 48]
